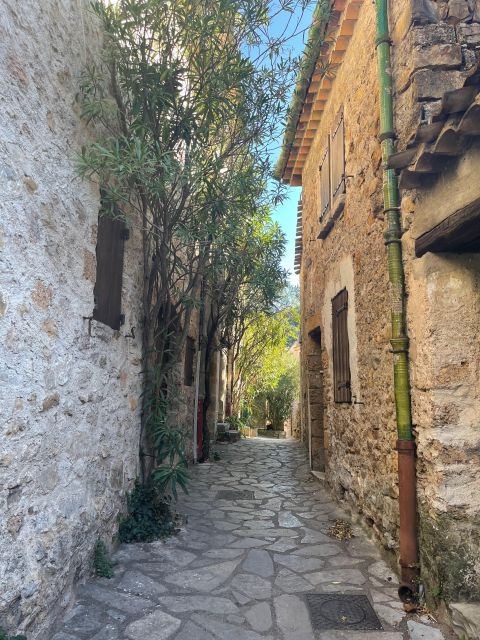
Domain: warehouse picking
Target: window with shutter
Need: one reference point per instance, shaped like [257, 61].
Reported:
[337, 145]
[107, 292]
[188, 376]
[341, 348]
[325, 183]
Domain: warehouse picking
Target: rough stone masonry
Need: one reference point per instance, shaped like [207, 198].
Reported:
[69, 386]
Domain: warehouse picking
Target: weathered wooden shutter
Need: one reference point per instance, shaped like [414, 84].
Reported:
[325, 182]
[338, 157]
[341, 348]
[188, 376]
[108, 286]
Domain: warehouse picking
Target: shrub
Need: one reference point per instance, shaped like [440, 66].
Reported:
[4, 636]
[148, 517]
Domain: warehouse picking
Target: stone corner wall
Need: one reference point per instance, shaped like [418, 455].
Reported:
[69, 386]
[436, 48]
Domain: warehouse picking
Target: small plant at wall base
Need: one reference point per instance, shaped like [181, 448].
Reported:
[4, 636]
[149, 516]
[101, 562]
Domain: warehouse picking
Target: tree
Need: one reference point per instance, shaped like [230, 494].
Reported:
[243, 278]
[280, 396]
[265, 371]
[186, 101]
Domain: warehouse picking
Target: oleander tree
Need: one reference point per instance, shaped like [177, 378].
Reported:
[186, 103]
[266, 366]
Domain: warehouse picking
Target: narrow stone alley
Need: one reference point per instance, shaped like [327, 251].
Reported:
[246, 567]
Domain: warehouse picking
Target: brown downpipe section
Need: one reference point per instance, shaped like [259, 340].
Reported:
[400, 346]
[408, 520]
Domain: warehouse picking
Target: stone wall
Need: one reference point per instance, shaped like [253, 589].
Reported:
[360, 437]
[435, 49]
[69, 386]
[433, 54]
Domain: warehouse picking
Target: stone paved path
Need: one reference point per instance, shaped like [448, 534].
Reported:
[240, 569]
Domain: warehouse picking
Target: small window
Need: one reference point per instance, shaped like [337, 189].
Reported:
[188, 376]
[341, 348]
[107, 292]
[325, 182]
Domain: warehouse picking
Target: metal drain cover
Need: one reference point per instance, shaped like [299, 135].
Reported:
[341, 611]
[235, 495]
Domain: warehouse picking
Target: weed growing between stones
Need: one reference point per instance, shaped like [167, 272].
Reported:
[149, 516]
[102, 564]
[4, 636]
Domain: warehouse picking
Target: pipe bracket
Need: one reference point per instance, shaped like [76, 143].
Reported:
[383, 39]
[399, 345]
[387, 135]
[392, 241]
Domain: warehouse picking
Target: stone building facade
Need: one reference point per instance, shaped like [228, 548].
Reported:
[71, 292]
[332, 150]
[70, 384]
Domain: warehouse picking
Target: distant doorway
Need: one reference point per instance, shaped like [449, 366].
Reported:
[315, 400]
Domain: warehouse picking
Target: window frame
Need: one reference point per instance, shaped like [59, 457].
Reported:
[342, 379]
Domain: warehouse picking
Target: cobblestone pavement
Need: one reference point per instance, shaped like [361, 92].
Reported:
[241, 569]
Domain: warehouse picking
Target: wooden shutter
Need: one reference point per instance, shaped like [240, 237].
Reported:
[108, 286]
[299, 237]
[338, 157]
[325, 183]
[188, 376]
[341, 348]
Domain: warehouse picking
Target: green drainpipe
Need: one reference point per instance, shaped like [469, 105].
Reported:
[399, 340]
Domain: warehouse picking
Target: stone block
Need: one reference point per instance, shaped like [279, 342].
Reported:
[432, 34]
[156, 626]
[466, 619]
[431, 86]
[458, 10]
[419, 631]
[437, 56]
[259, 617]
[469, 33]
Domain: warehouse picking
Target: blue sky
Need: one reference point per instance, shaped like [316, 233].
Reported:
[286, 213]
